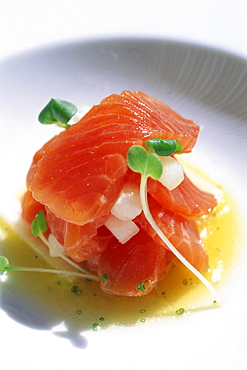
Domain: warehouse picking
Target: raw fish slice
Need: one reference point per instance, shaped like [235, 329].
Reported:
[87, 193]
[158, 117]
[182, 232]
[83, 179]
[30, 207]
[37, 156]
[79, 175]
[80, 242]
[140, 260]
[186, 199]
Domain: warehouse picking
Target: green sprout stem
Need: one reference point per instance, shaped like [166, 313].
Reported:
[148, 164]
[39, 226]
[52, 271]
[63, 125]
[150, 219]
[61, 255]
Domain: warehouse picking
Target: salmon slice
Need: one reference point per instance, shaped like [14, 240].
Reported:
[186, 199]
[154, 116]
[79, 174]
[30, 207]
[37, 156]
[182, 232]
[133, 269]
[81, 243]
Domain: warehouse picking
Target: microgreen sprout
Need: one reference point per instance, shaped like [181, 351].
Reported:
[39, 227]
[57, 111]
[4, 264]
[163, 147]
[39, 224]
[6, 267]
[148, 164]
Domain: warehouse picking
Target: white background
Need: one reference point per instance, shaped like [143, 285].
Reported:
[32, 23]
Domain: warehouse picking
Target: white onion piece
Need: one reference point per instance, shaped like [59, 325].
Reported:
[122, 230]
[128, 204]
[173, 173]
[55, 248]
[81, 111]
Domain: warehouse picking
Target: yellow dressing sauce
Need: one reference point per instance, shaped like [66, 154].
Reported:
[81, 305]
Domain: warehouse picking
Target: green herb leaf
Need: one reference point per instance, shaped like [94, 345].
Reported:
[148, 164]
[104, 277]
[180, 311]
[163, 147]
[4, 264]
[141, 287]
[39, 225]
[57, 111]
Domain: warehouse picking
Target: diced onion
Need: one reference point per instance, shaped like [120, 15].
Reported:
[122, 230]
[55, 249]
[128, 205]
[173, 173]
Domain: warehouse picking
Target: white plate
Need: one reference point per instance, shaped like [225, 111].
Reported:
[203, 84]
